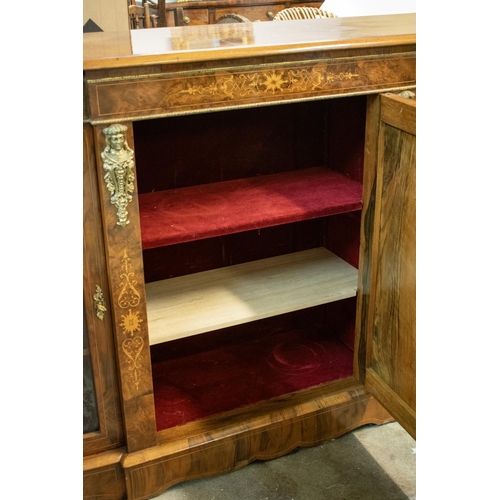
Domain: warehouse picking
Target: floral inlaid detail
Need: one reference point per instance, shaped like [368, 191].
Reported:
[254, 83]
[131, 322]
[274, 81]
[225, 85]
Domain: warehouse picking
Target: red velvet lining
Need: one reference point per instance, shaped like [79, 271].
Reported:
[220, 380]
[204, 211]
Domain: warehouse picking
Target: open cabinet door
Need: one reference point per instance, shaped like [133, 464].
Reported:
[386, 347]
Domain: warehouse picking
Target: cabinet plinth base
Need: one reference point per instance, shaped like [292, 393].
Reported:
[103, 477]
[265, 432]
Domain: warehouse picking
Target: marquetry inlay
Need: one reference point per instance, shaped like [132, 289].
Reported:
[129, 295]
[131, 321]
[182, 92]
[132, 347]
[269, 82]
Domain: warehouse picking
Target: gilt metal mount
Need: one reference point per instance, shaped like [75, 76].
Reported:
[118, 163]
[99, 303]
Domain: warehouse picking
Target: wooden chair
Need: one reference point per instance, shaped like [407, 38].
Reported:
[296, 13]
[232, 18]
[140, 15]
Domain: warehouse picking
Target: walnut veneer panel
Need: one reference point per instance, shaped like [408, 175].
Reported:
[110, 433]
[270, 430]
[128, 309]
[103, 477]
[180, 92]
[387, 330]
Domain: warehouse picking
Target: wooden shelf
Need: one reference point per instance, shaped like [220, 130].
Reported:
[219, 298]
[204, 211]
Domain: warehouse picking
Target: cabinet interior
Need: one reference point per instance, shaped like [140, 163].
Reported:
[250, 222]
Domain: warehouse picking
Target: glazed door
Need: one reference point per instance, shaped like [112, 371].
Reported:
[102, 428]
[386, 323]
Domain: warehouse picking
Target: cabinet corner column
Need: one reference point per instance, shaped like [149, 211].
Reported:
[122, 234]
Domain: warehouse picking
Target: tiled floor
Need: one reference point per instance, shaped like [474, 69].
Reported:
[370, 463]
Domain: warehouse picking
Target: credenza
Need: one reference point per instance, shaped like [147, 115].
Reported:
[249, 244]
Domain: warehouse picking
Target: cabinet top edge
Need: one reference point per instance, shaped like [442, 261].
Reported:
[234, 41]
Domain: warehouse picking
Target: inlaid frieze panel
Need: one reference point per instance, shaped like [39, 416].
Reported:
[183, 92]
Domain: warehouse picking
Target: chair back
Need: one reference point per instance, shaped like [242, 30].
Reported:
[140, 16]
[296, 13]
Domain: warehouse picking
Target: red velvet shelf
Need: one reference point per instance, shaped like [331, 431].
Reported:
[204, 211]
[224, 379]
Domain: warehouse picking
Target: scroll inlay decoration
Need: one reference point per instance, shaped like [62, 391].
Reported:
[118, 162]
[131, 321]
[132, 347]
[129, 295]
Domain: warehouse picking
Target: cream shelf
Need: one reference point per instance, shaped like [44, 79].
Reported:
[211, 300]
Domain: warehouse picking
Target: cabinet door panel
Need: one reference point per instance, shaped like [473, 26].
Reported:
[90, 409]
[102, 414]
[386, 306]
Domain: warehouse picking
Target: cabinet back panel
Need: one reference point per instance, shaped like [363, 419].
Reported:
[233, 335]
[339, 234]
[346, 136]
[338, 318]
[212, 253]
[342, 236]
[199, 149]
[184, 151]
[341, 318]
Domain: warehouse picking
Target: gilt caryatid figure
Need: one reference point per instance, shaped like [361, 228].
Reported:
[118, 162]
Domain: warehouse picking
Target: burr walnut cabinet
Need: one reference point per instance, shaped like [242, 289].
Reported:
[249, 242]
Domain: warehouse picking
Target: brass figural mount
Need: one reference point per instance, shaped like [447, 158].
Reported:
[118, 162]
